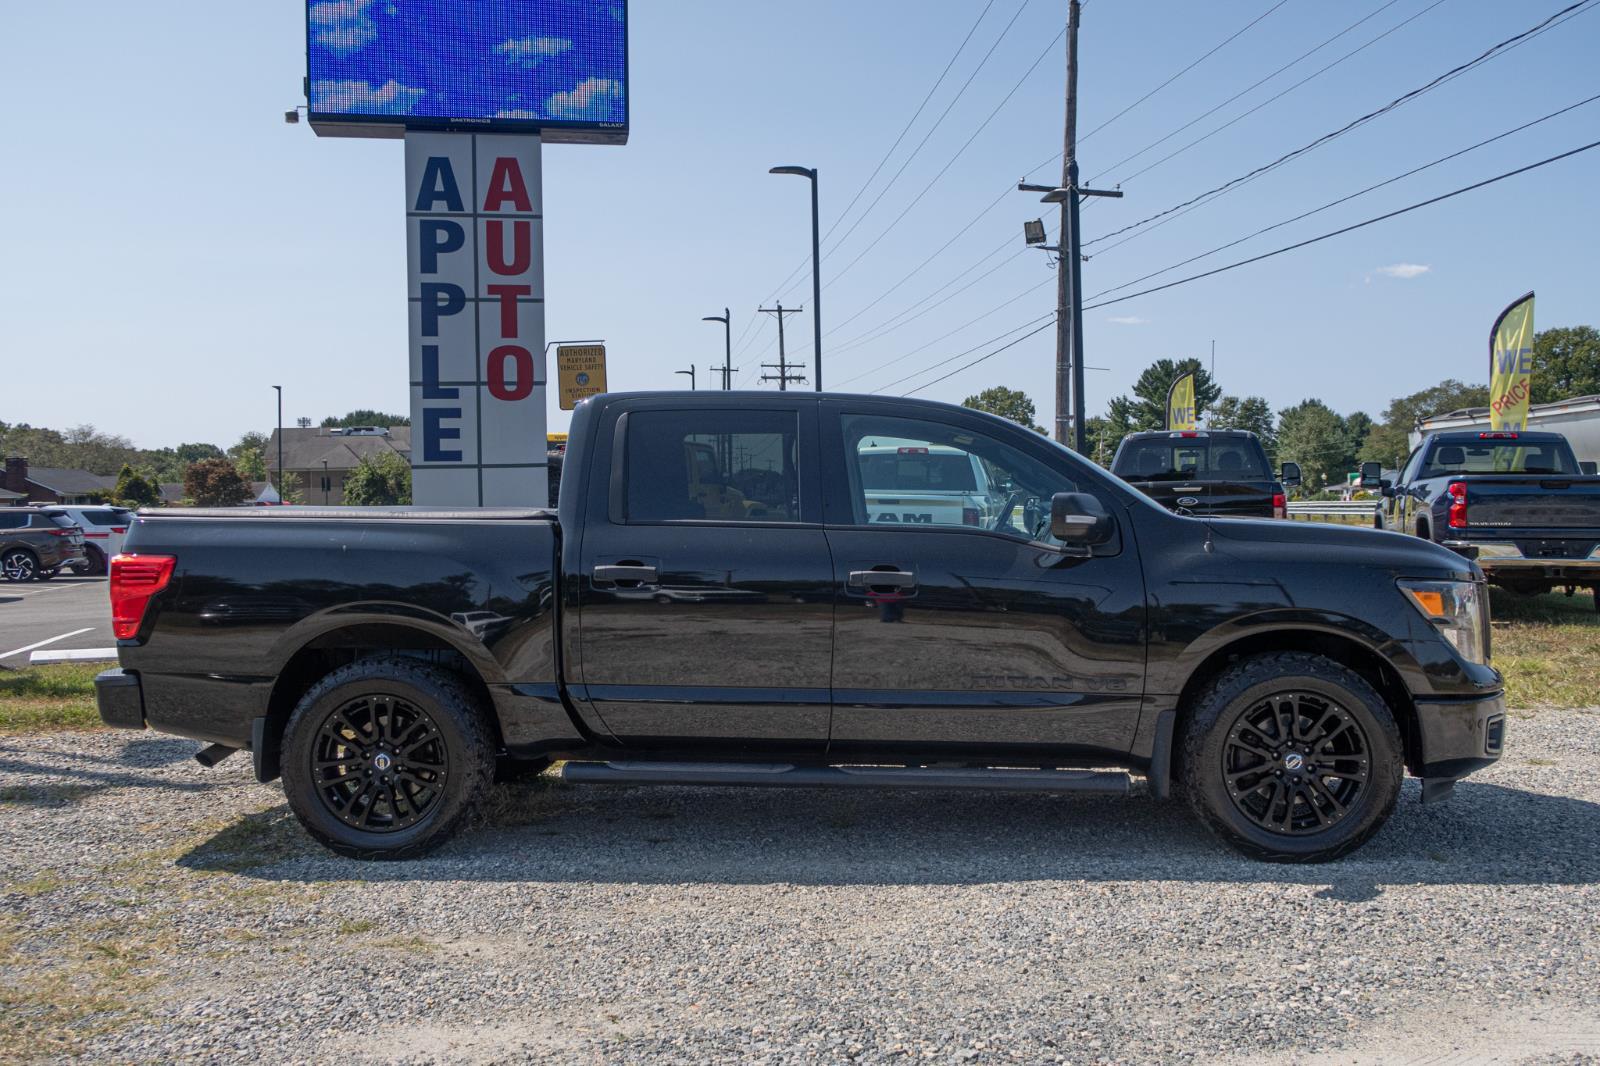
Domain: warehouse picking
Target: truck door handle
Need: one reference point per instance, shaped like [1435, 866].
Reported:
[899, 579]
[618, 574]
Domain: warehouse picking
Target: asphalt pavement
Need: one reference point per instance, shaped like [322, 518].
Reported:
[61, 615]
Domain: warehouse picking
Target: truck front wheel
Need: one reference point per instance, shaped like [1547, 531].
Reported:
[386, 758]
[1291, 757]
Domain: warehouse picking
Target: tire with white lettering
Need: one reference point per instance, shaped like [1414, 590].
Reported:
[387, 758]
[1291, 757]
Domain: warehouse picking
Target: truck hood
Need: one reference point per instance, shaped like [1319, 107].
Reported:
[1326, 544]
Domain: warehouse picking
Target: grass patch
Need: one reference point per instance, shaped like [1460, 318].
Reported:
[42, 698]
[1548, 647]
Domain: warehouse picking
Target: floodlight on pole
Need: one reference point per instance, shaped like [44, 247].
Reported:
[1033, 232]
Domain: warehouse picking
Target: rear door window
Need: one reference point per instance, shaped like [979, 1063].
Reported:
[713, 465]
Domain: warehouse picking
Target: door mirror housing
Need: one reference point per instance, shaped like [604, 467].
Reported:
[1386, 487]
[1077, 518]
[1371, 475]
[1589, 467]
[1290, 475]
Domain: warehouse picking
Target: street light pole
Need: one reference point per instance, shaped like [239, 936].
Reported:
[726, 318]
[690, 372]
[279, 388]
[816, 268]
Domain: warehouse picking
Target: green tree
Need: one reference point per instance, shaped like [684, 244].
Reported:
[364, 417]
[1152, 387]
[381, 481]
[1249, 412]
[215, 483]
[79, 448]
[1312, 434]
[1007, 403]
[134, 490]
[1103, 433]
[249, 456]
[1566, 363]
[1389, 442]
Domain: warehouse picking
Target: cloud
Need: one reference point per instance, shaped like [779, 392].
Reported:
[360, 98]
[343, 25]
[592, 98]
[1404, 270]
[1127, 320]
[529, 52]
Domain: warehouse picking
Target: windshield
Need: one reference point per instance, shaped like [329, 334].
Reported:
[1500, 457]
[917, 470]
[1215, 459]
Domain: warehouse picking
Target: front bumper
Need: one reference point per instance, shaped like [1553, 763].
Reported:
[1458, 737]
[120, 698]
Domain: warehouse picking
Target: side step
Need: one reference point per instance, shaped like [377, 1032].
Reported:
[786, 775]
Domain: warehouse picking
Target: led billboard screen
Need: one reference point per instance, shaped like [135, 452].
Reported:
[380, 67]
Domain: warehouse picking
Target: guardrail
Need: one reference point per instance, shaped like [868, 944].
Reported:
[1350, 512]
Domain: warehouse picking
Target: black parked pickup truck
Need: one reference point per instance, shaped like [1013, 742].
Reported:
[711, 605]
[1519, 503]
[1221, 473]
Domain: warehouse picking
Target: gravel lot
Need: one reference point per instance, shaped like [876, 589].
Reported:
[150, 909]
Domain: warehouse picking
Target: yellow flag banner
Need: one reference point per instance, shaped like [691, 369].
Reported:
[1180, 404]
[1511, 366]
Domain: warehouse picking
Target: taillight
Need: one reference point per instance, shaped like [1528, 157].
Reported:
[970, 516]
[134, 580]
[1458, 504]
[1280, 505]
[59, 532]
[119, 529]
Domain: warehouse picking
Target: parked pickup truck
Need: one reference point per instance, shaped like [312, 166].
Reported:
[1519, 503]
[386, 662]
[1219, 472]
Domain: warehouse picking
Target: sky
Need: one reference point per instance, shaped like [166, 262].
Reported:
[173, 248]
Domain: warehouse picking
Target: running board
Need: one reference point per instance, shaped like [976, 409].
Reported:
[783, 775]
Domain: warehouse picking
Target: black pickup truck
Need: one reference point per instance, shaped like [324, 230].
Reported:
[1521, 504]
[712, 605]
[1222, 473]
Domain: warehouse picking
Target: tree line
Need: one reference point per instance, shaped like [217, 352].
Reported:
[211, 476]
[1327, 445]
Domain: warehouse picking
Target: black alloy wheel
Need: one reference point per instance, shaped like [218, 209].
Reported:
[388, 757]
[18, 564]
[1295, 762]
[1291, 757]
[380, 763]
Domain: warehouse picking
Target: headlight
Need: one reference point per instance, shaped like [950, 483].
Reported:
[1460, 611]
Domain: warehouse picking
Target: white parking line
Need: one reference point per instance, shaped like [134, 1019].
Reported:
[74, 655]
[6, 590]
[42, 643]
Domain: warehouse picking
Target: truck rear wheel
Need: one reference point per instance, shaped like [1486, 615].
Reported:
[386, 758]
[1291, 757]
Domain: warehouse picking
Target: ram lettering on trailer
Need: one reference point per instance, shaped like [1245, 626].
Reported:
[475, 250]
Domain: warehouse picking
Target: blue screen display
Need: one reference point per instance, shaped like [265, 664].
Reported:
[559, 65]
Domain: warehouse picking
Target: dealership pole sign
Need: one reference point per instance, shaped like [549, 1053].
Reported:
[476, 90]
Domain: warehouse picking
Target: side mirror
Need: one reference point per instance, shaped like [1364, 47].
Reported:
[1078, 518]
[1290, 475]
[1371, 475]
[1589, 467]
[1386, 487]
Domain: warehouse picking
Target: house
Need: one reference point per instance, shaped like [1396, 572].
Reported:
[45, 485]
[318, 458]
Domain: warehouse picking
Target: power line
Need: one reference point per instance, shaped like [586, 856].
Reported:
[1050, 315]
[1237, 33]
[1398, 101]
[943, 170]
[1262, 81]
[911, 313]
[886, 156]
[1347, 229]
[1351, 196]
[934, 128]
[944, 336]
[981, 358]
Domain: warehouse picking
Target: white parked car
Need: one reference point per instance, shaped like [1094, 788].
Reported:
[917, 483]
[104, 529]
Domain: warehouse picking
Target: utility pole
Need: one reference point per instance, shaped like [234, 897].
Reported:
[782, 377]
[1069, 278]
